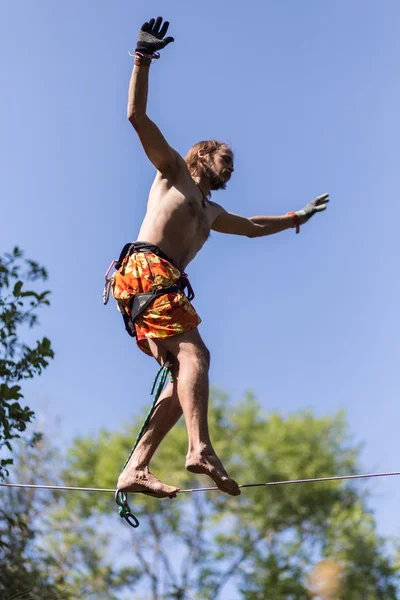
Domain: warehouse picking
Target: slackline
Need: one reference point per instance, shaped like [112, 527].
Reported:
[204, 489]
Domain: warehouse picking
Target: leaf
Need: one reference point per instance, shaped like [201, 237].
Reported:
[10, 393]
[27, 294]
[17, 288]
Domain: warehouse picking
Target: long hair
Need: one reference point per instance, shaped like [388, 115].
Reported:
[208, 147]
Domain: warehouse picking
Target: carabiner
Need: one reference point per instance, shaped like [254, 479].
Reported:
[135, 521]
[107, 285]
[124, 510]
[120, 498]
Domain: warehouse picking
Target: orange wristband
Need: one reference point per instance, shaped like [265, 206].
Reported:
[142, 61]
[296, 220]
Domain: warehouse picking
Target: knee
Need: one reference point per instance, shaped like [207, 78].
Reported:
[197, 357]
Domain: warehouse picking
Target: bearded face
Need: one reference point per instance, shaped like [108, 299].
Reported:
[217, 181]
[218, 167]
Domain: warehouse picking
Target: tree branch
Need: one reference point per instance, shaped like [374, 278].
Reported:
[163, 556]
[193, 556]
[224, 578]
[147, 570]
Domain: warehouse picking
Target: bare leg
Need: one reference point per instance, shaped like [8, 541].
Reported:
[136, 476]
[192, 387]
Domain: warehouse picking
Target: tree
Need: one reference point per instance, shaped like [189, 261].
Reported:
[47, 552]
[18, 307]
[269, 542]
[23, 513]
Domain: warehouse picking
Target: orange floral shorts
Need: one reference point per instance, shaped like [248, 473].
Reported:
[167, 315]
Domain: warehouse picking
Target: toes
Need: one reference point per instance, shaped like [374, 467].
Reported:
[149, 486]
[217, 474]
[168, 491]
[230, 487]
[171, 494]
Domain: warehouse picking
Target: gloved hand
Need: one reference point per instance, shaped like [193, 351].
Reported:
[151, 37]
[316, 205]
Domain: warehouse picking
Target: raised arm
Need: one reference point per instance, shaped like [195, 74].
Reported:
[151, 39]
[226, 222]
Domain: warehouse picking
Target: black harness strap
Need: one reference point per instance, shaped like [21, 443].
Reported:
[140, 302]
[132, 247]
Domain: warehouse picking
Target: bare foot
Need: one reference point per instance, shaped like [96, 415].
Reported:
[209, 464]
[141, 480]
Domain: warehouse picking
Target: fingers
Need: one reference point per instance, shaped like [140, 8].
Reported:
[157, 25]
[320, 202]
[153, 26]
[321, 199]
[164, 28]
[168, 40]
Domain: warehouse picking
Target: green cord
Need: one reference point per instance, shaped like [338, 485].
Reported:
[124, 510]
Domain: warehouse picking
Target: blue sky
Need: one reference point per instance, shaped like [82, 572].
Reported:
[308, 95]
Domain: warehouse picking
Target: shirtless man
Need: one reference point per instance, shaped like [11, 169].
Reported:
[178, 221]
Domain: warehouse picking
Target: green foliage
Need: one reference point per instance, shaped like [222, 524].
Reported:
[24, 572]
[18, 308]
[49, 553]
[265, 542]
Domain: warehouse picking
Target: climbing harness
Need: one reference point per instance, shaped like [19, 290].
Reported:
[120, 497]
[140, 302]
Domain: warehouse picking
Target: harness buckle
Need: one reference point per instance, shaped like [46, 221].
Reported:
[107, 285]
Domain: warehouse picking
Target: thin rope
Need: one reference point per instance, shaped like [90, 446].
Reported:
[206, 489]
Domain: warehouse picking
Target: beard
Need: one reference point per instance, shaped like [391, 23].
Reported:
[217, 182]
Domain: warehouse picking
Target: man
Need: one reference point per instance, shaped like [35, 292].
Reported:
[178, 221]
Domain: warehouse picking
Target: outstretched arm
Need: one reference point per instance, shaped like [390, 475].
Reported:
[226, 222]
[151, 39]
[253, 226]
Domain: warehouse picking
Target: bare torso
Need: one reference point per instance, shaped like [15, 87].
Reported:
[178, 219]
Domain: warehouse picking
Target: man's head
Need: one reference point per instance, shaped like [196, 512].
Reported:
[213, 160]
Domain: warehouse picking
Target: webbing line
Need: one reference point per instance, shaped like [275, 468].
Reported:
[207, 489]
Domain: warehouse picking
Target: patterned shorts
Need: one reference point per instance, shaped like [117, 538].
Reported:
[167, 315]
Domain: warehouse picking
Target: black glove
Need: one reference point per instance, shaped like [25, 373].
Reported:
[151, 37]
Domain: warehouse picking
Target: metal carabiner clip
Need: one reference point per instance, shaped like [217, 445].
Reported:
[107, 285]
[124, 510]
